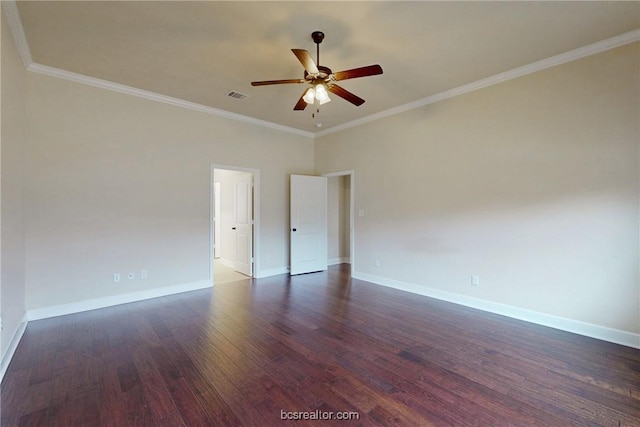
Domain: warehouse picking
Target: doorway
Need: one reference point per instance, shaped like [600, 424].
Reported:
[234, 223]
[340, 217]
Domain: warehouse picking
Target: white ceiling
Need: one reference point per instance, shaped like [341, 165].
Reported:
[200, 51]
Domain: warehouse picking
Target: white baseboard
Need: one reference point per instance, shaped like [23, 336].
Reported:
[272, 272]
[13, 345]
[342, 260]
[575, 326]
[92, 304]
[285, 270]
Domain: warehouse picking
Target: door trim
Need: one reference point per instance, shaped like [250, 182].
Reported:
[352, 225]
[216, 220]
[256, 216]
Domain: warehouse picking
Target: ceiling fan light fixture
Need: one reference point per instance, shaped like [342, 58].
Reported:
[309, 96]
[321, 94]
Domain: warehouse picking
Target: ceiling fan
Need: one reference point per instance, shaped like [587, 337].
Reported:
[321, 79]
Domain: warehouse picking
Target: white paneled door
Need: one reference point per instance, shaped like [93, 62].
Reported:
[308, 232]
[244, 226]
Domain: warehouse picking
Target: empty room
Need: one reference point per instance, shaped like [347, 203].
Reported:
[265, 213]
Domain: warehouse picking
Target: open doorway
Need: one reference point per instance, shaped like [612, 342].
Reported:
[340, 218]
[234, 225]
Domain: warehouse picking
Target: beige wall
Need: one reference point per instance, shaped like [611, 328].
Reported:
[117, 183]
[12, 141]
[532, 184]
[338, 203]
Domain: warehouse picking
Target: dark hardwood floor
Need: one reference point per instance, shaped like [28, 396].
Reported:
[245, 353]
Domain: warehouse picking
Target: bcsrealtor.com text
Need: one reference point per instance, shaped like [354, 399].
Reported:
[318, 415]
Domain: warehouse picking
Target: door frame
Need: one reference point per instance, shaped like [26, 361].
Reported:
[352, 226]
[256, 215]
[216, 220]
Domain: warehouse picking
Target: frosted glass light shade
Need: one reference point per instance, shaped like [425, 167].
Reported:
[309, 96]
[321, 94]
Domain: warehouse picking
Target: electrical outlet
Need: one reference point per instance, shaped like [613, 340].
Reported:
[116, 277]
[475, 280]
[143, 274]
[376, 263]
[131, 276]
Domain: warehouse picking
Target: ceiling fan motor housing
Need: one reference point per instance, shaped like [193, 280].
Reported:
[323, 74]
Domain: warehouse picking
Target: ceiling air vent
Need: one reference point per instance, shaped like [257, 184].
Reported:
[237, 95]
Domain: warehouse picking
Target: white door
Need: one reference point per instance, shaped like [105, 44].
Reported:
[308, 224]
[244, 225]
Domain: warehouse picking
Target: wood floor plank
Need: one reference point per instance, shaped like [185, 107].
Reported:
[37, 396]
[80, 408]
[34, 419]
[17, 383]
[247, 352]
[157, 395]
[207, 396]
[113, 410]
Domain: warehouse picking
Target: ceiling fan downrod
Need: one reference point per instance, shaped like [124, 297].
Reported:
[317, 37]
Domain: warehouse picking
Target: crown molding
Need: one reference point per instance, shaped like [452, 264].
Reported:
[572, 55]
[10, 10]
[116, 87]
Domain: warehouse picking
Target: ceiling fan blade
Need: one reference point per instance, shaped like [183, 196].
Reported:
[345, 94]
[305, 59]
[277, 82]
[370, 70]
[301, 104]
